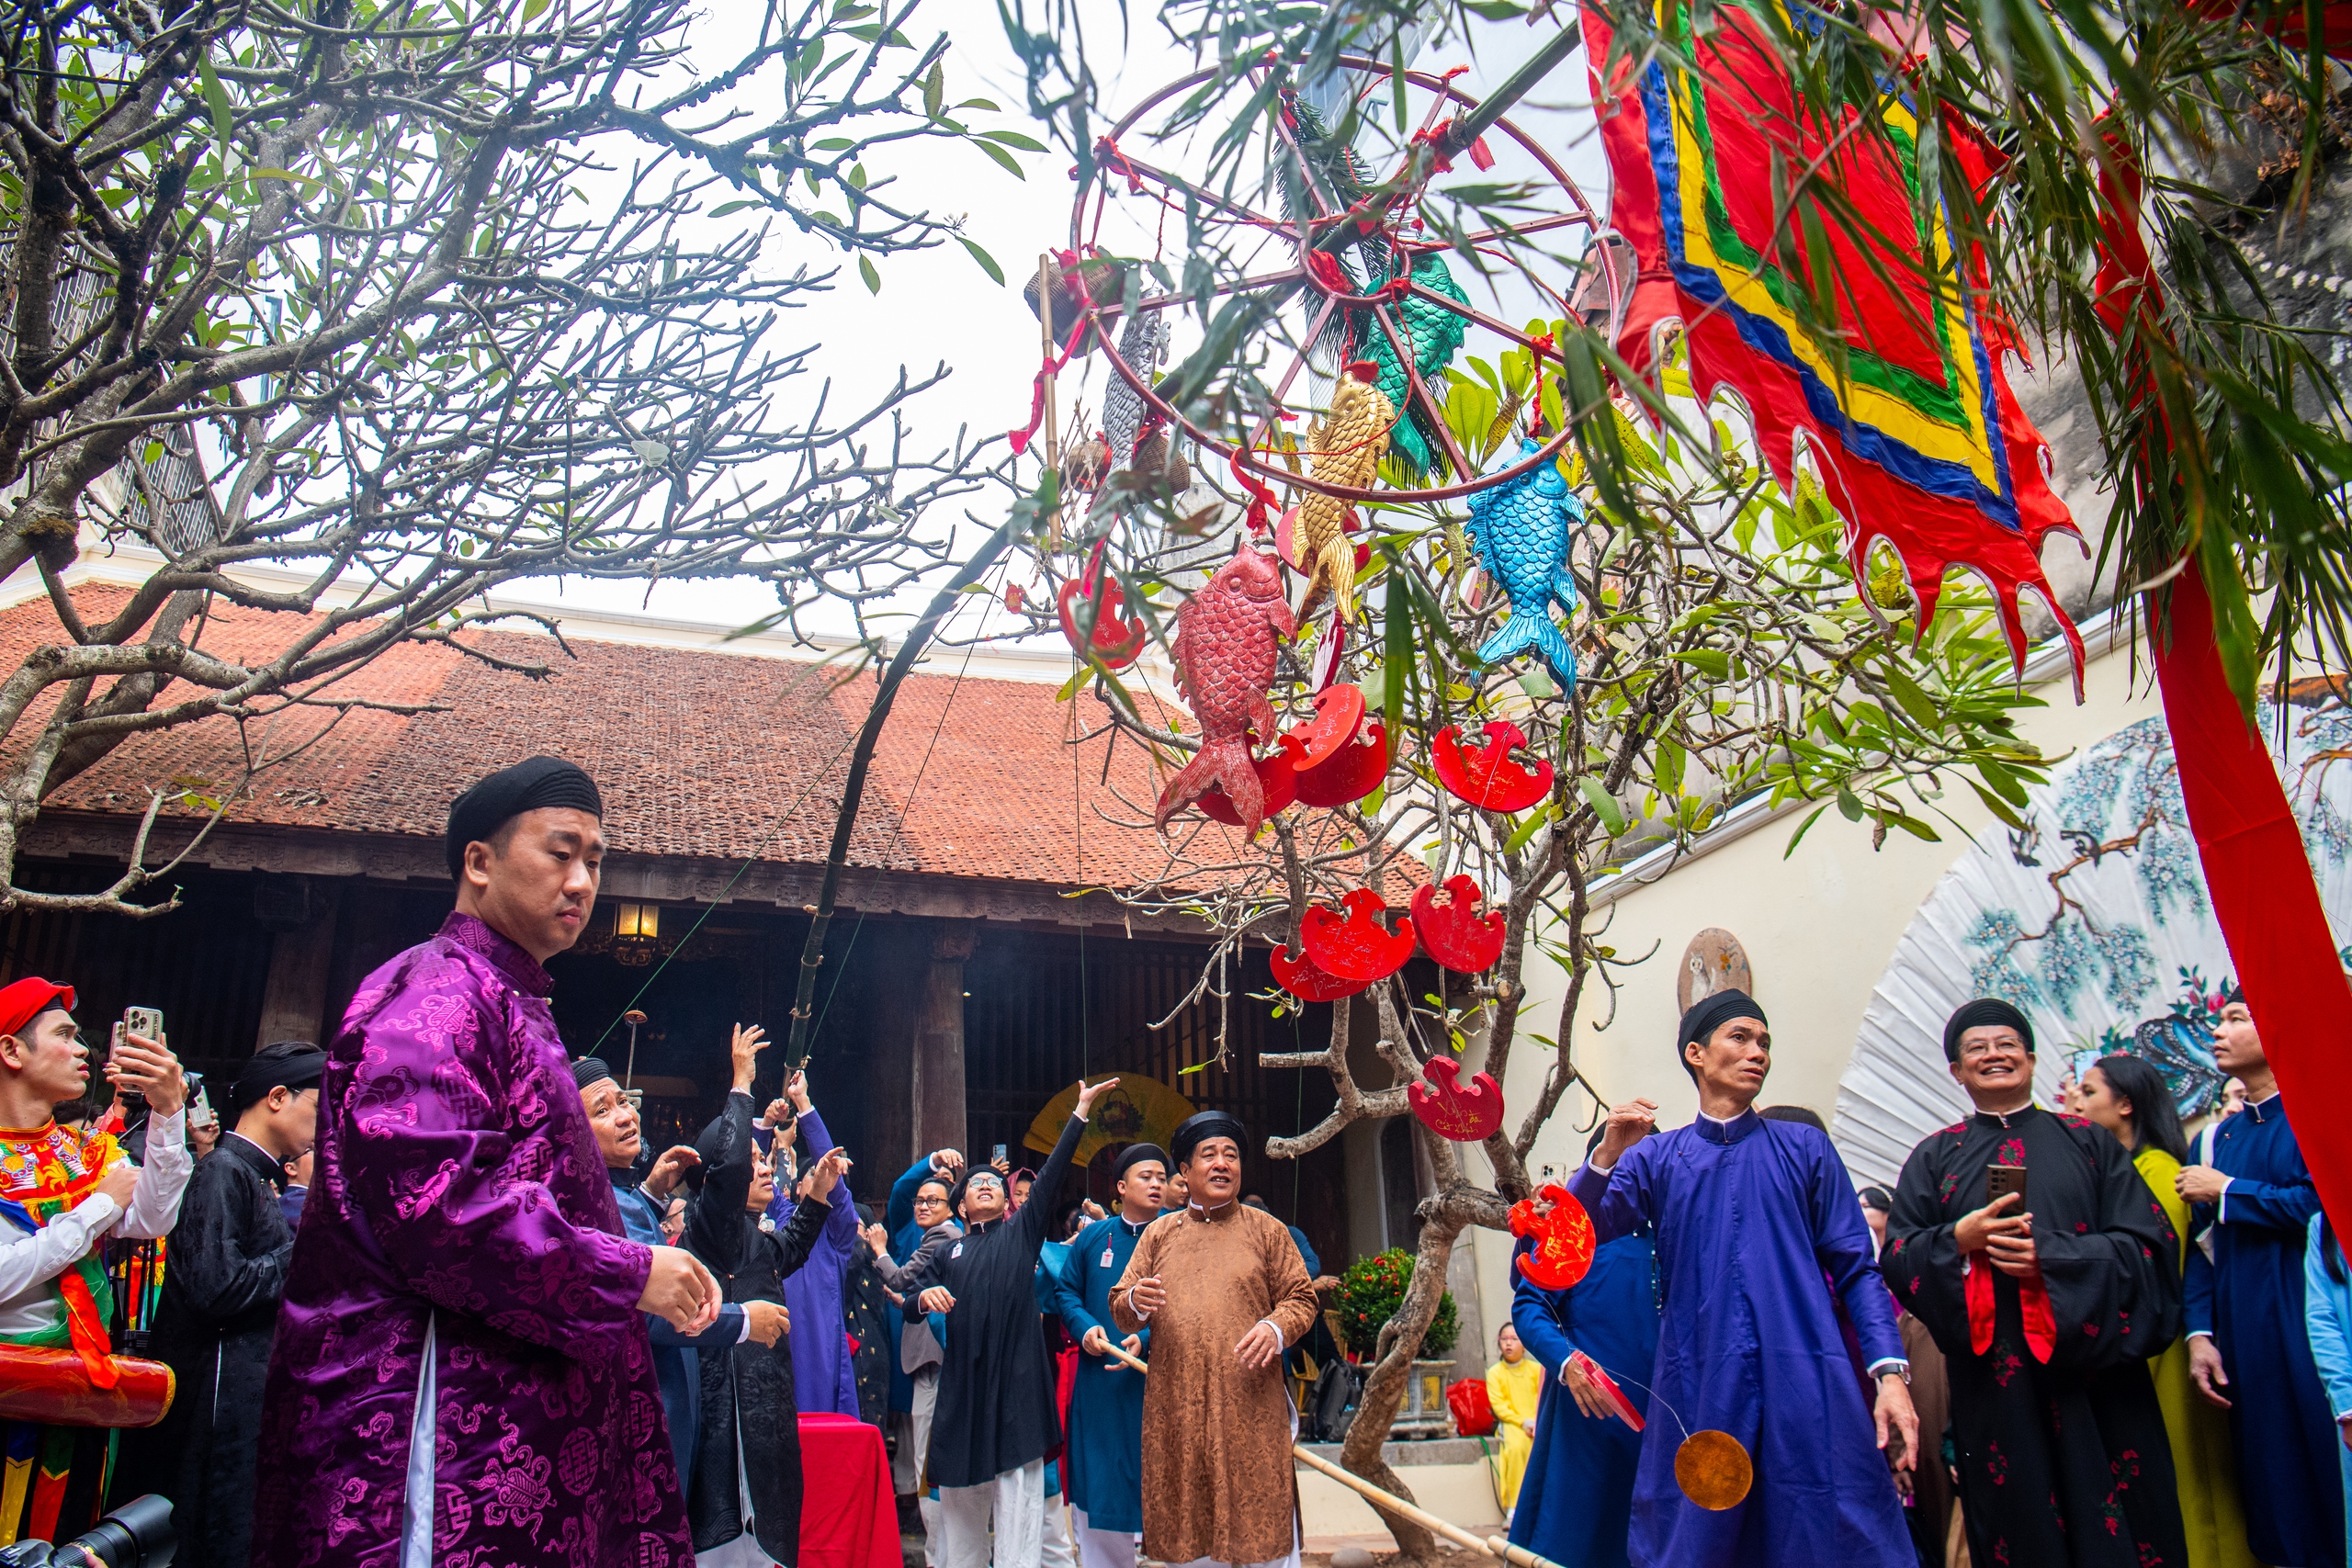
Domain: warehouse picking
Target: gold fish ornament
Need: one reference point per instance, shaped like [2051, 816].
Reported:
[1347, 445]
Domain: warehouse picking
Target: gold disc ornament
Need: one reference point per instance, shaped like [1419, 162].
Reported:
[1712, 1470]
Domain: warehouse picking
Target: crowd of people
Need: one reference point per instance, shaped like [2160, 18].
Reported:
[431, 1298]
[497, 1327]
[2067, 1337]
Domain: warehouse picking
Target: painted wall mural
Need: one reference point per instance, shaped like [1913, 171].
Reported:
[2094, 919]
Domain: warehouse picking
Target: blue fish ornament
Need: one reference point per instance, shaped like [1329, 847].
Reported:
[1521, 531]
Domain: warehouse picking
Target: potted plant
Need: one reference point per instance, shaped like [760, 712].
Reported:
[1370, 1294]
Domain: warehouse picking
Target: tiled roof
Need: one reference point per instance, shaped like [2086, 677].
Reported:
[698, 753]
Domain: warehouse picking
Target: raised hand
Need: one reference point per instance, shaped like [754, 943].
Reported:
[796, 1090]
[879, 1239]
[1628, 1125]
[744, 1049]
[829, 1170]
[777, 1112]
[147, 1066]
[1086, 1093]
[668, 1171]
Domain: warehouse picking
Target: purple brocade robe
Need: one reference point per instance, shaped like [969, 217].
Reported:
[458, 1191]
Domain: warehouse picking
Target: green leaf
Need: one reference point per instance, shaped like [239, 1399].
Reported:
[531, 8]
[724, 207]
[216, 100]
[1914, 701]
[934, 90]
[1015, 139]
[1804, 827]
[988, 104]
[1525, 830]
[1997, 807]
[832, 144]
[1002, 156]
[1713, 661]
[1604, 804]
[988, 262]
[1195, 1068]
[873, 278]
[1495, 10]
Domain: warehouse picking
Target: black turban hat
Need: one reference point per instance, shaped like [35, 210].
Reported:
[531, 785]
[1135, 1155]
[1979, 1014]
[590, 1069]
[1204, 1125]
[1707, 1016]
[977, 1173]
[292, 1064]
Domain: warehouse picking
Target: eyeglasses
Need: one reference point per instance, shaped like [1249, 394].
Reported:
[931, 1203]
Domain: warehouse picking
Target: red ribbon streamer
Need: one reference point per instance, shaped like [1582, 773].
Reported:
[2261, 881]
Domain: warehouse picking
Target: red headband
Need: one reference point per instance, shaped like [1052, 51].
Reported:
[26, 999]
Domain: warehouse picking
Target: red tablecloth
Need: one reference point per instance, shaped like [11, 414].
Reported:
[848, 1517]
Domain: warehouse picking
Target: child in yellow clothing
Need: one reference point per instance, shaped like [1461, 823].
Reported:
[1513, 1386]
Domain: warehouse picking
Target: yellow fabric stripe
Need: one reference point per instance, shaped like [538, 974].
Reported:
[18, 1481]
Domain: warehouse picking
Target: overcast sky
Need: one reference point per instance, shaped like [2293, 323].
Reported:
[938, 305]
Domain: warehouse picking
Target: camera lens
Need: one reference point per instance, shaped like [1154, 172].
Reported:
[137, 1534]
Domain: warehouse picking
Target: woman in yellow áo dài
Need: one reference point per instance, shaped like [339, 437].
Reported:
[1514, 1384]
[2128, 1097]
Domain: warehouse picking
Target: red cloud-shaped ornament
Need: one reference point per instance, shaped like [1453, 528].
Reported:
[1353, 772]
[1485, 775]
[1356, 946]
[1563, 1238]
[1304, 979]
[1277, 776]
[1451, 928]
[1116, 642]
[1464, 1115]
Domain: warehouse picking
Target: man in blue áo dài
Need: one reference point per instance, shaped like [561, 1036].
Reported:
[1576, 1500]
[2249, 1346]
[677, 1367]
[1748, 1215]
[1105, 1459]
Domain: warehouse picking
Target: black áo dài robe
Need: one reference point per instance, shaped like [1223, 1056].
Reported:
[996, 1408]
[2064, 1457]
[223, 1284]
[748, 1389]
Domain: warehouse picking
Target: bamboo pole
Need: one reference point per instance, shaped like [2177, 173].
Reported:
[1489, 1545]
[1053, 425]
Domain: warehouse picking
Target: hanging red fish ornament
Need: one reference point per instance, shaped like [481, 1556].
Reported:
[1353, 772]
[1356, 946]
[1116, 642]
[1563, 1238]
[1277, 776]
[1485, 775]
[1226, 641]
[1338, 714]
[1304, 979]
[1451, 928]
[1453, 1112]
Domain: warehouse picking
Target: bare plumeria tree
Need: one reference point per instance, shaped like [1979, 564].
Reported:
[1726, 655]
[357, 312]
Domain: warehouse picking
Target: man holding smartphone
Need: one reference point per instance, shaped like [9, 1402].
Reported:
[2036, 1257]
[61, 1193]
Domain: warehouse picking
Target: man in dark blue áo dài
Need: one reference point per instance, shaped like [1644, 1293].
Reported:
[1105, 1459]
[1748, 1214]
[1576, 1500]
[676, 1365]
[2248, 1347]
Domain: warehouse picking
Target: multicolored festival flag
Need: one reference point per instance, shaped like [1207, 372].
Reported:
[1907, 416]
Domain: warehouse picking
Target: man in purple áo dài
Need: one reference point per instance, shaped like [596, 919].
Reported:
[461, 1377]
[824, 1381]
[1748, 1214]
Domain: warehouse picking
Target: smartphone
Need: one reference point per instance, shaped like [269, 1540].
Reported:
[996, 1153]
[145, 1022]
[2002, 1179]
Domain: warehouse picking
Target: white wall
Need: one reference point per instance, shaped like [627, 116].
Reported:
[1819, 928]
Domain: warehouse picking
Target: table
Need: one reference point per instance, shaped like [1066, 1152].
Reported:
[849, 1517]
